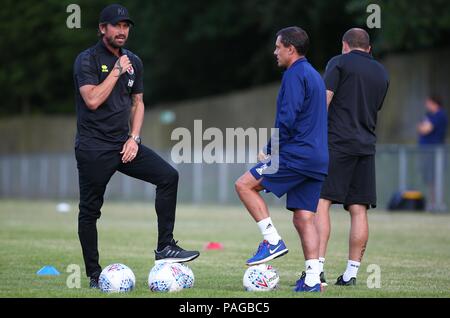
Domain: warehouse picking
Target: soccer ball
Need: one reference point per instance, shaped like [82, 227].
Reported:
[261, 277]
[170, 277]
[116, 278]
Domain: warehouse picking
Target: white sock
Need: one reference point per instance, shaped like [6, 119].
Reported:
[269, 231]
[351, 271]
[312, 272]
[321, 264]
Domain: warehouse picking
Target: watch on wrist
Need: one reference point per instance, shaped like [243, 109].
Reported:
[137, 139]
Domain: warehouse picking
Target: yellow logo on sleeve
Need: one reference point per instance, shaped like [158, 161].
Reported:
[104, 69]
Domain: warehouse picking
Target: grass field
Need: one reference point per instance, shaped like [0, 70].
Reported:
[412, 250]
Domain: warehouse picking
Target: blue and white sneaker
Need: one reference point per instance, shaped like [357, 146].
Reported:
[300, 286]
[267, 252]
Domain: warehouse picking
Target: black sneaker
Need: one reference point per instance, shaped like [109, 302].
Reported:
[93, 282]
[172, 253]
[323, 280]
[341, 282]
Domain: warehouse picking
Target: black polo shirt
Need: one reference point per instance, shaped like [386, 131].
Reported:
[360, 85]
[107, 127]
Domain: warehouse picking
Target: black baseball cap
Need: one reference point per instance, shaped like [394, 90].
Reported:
[113, 14]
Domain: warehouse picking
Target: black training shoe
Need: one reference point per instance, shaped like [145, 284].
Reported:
[323, 280]
[93, 283]
[172, 253]
[341, 282]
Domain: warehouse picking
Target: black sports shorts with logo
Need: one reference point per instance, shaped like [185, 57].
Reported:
[350, 180]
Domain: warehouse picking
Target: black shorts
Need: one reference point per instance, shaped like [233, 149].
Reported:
[350, 180]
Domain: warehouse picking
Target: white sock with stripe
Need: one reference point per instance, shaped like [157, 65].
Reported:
[312, 272]
[321, 264]
[269, 231]
[351, 271]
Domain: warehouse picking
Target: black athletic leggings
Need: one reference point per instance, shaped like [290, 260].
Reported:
[95, 169]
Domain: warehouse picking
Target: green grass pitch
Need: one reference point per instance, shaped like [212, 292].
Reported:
[412, 250]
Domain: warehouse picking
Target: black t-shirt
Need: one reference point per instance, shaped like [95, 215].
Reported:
[360, 85]
[107, 127]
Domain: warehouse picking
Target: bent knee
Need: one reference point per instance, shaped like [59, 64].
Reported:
[173, 176]
[303, 217]
[240, 185]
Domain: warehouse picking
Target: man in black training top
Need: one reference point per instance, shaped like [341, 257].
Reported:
[356, 86]
[110, 112]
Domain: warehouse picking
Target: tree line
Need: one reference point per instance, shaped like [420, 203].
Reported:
[193, 48]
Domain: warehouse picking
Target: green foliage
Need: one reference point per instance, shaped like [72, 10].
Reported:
[192, 48]
[38, 51]
[408, 25]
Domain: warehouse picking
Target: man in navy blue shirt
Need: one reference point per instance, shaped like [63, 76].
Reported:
[432, 131]
[296, 160]
[110, 112]
[433, 128]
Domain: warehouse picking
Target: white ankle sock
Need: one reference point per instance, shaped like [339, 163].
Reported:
[321, 264]
[312, 272]
[269, 231]
[351, 271]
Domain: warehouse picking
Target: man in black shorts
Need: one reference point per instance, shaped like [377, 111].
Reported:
[356, 87]
[110, 112]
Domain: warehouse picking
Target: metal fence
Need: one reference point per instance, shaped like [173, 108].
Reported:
[45, 176]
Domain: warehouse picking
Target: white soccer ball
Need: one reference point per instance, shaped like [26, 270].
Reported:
[63, 207]
[170, 277]
[116, 278]
[261, 277]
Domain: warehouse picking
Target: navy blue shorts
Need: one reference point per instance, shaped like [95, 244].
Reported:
[303, 192]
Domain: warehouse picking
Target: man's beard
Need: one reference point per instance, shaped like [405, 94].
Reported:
[111, 41]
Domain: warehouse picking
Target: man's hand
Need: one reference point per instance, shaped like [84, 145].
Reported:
[330, 95]
[262, 157]
[95, 95]
[122, 65]
[129, 150]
